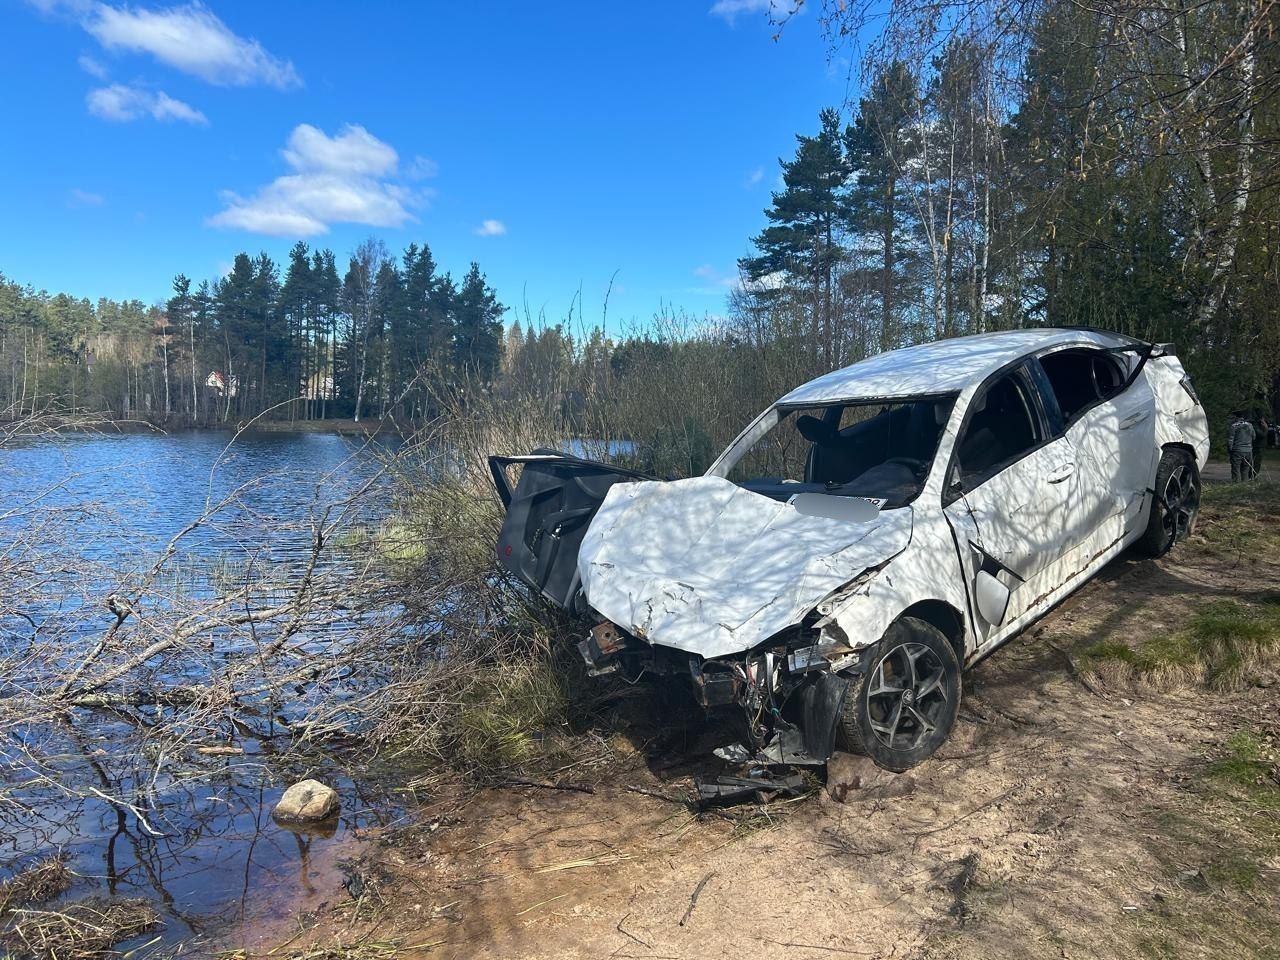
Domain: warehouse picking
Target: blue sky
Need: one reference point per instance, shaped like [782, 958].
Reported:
[554, 144]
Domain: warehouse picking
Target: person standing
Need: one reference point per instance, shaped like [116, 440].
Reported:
[1240, 446]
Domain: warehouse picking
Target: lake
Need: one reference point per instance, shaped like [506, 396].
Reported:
[92, 511]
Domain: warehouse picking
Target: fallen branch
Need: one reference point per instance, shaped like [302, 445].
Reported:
[543, 785]
[961, 819]
[116, 801]
[693, 898]
[815, 946]
[627, 933]
[657, 795]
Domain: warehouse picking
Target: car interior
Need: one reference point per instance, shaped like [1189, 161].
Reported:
[1001, 427]
[1080, 378]
[877, 450]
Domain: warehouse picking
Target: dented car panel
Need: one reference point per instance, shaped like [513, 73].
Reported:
[705, 566]
[927, 505]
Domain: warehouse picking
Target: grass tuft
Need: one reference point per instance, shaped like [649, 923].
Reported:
[1240, 521]
[1249, 769]
[39, 882]
[503, 716]
[1228, 645]
[79, 931]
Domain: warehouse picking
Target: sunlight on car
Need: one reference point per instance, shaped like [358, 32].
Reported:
[861, 542]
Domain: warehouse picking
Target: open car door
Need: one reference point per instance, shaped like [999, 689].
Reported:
[548, 511]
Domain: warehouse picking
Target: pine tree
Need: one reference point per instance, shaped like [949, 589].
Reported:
[478, 326]
[181, 315]
[296, 305]
[807, 219]
[327, 292]
[880, 147]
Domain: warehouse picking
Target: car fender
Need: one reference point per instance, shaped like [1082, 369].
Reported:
[927, 571]
[1180, 419]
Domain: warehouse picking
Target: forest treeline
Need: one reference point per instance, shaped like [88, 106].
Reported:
[1008, 164]
[1020, 163]
[372, 341]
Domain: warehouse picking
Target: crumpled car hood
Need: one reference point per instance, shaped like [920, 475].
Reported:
[705, 566]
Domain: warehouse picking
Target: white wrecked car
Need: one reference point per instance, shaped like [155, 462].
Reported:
[871, 533]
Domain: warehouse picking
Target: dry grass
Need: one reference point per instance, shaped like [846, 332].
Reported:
[1240, 522]
[501, 721]
[1227, 645]
[495, 671]
[79, 931]
[40, 882]
[1224, 645]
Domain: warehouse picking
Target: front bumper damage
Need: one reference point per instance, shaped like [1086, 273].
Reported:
[789, 692]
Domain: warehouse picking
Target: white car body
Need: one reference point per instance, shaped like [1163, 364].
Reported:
[952, 493]
[710, 568]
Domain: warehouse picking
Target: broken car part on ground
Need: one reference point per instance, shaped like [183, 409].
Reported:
[870, 534]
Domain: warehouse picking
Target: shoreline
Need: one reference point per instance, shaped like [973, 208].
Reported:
[344, 426]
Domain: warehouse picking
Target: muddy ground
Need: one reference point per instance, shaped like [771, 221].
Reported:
[1064, 819]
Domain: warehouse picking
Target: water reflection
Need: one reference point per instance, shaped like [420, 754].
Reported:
[126, 801]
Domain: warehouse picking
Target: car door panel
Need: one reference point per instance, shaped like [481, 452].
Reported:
[1010, 518]
[1017, 519]
[1114, 439]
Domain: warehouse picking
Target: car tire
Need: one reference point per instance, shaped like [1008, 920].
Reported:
[903, 706]
[1175, 505]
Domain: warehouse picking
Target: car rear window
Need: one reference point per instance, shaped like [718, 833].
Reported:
[1081, 378]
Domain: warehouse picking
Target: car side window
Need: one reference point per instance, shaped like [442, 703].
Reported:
[1081, 378]
[1002, 428]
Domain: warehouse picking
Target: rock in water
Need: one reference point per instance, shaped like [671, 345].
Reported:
[307, 802]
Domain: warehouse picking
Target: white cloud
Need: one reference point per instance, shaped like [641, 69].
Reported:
[340, 179]
[422, 168]
[92, 67]
[123, 103]
[730, 10]
[755, 176]
[770, 281]
[189, 38]
[83, 198]
[491, 228]
[353, 151]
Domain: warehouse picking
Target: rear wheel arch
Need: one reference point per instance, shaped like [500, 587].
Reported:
[1175, 501]
[1180, 445]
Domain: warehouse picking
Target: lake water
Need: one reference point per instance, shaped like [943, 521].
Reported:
[94, 508]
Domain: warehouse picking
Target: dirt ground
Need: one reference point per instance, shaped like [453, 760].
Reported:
[1063, 819]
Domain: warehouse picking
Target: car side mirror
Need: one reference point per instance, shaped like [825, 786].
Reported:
[992, 597]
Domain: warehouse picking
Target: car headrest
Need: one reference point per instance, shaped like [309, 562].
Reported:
[815, 430]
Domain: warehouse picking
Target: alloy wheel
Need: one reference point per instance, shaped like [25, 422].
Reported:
[906, 697]
[1181, 501]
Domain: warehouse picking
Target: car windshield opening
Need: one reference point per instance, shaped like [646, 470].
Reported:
[881, 450]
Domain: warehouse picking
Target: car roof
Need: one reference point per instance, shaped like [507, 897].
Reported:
[943, 366]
